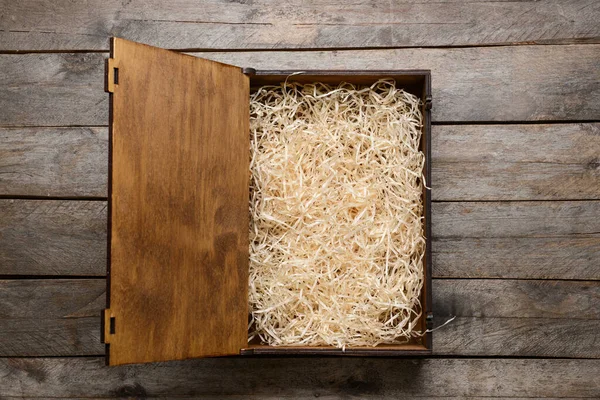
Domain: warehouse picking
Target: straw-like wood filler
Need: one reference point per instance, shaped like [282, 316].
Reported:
[336, 214]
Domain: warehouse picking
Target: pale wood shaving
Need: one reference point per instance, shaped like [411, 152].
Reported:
[336, 233]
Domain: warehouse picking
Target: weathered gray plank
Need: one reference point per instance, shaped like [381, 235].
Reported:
[516, 162]
[485, 239]
[520, 337]
[51, 336]
[470, 162]
[53, 89]
[554, 144]
[52, 237]
[303, 378]
[51, 298]
[516, 299]
[522, 258]
[523, 219]
[64, 162]
[558, 239]
[49, 317]
[515, 83]
[515, 181]
[537, 318]
[311, 397]
[516, 317]
[261, 24]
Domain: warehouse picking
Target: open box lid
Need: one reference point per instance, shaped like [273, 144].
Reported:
[178, 206]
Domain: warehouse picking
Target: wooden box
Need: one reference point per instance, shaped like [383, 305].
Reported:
[178, 205]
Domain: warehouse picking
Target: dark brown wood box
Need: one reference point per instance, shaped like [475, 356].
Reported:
[178, 205]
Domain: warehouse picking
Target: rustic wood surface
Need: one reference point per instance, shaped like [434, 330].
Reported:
[560, 240]
[72, 162]
[561, 257]
[518, 83]
[523, 219]
[516, 189]
[51, 317]
[262, 24]
[362, 395]
[60, 162]
[538, 318]
[330, 378]
[52, 237]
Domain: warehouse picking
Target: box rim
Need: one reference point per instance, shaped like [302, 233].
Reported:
[427, 312]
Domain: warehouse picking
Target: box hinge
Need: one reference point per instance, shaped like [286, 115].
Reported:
[108, 326]
[429, 321]
[428, 101]
[248, 71]
[112, 75]
[246, 352]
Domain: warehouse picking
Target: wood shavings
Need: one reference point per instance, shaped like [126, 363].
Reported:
[337, 232]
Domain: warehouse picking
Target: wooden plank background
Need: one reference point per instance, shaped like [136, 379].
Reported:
[516, 190]
[222, 24]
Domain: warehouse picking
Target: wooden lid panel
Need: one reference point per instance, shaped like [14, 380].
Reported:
[178, 269]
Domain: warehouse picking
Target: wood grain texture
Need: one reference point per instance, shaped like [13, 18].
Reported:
[518, 83]
[49, 317]
[261, 24]
[516, 299]
[497, 181]
[53, 90]
[553, 162]
[65, 237]
[516, 162]
[538, 318]
[65, 162]
[516, 317]
[312, 397]
[518, 337]
[555, 144]
[178, 207]
[330, 378]
[52, 237]
[524, 219]
[564, 257]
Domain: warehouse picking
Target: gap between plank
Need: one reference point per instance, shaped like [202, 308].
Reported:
[70, 198]
[513, 201]
[309, 356]
[16, 277]
[440, 123]
[103, 198]
[537, 122]
[549, 42]
[496, 278]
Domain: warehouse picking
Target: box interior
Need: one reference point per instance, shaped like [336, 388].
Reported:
[416, 83]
